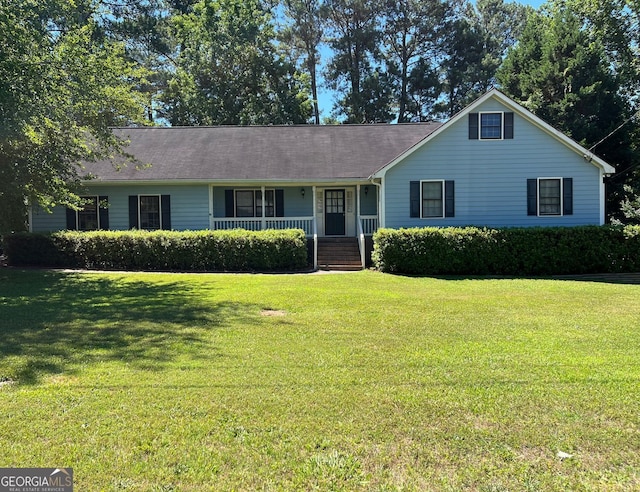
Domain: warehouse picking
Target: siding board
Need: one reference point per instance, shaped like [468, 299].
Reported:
[491, 177]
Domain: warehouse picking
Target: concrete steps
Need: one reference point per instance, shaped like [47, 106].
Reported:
[339, 253]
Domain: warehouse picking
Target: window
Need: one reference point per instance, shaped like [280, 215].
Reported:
[150, 212]
[550, 196]
[490, 126]
[432, 199]
[92, 216]
[88, 219]
[249, 203]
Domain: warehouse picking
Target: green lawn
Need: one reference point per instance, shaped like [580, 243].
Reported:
[360, 381]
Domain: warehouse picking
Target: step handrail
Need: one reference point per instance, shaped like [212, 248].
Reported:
[361, 243]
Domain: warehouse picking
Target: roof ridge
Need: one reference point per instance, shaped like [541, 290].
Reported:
[350, 125]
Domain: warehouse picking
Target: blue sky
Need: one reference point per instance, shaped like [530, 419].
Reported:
[325, 96]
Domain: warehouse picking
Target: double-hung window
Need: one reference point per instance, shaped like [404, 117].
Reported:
[88, 219]
[249, 203]
[92, 216]
[432, 199]
[494, 125]
[150, 212]
[550, 196]
[490, 126]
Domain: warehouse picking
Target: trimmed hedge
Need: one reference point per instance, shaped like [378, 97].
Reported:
[235, 250]
[511, 251]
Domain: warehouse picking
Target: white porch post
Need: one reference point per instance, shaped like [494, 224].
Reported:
[315, 228]
[381, 206]
[263, 222]
[358, 203]
[211, 207]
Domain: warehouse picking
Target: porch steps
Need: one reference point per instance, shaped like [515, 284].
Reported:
[339, 253]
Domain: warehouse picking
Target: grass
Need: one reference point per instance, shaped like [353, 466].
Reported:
[320, 382]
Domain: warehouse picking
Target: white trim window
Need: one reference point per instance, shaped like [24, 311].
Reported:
[93, 215]
[150, 216]
[432, 199]
[549, 196]
[88, 217]
[491, 126]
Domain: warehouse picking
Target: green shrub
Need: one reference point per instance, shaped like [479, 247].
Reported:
[511, 251]
[236, 250]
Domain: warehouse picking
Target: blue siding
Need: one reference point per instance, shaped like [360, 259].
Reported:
[42, 221]
[369, 200]
[491, 177]
[189, 207]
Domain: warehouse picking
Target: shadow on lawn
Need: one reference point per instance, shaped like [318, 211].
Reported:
[54, 322]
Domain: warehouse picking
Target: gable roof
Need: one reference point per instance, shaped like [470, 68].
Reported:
[517, 108]
[264, 153]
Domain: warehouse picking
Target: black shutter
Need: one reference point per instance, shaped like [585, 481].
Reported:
[228, 203]
[414, 198]
[532, 197]
[567, 196]
[133, 212]
[103, 212]
[72, 225]
[508, 125]
[279, 203]
[473, 126]
[449, 199]
[165, 211]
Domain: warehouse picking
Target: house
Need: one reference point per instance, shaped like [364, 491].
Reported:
[493, 164]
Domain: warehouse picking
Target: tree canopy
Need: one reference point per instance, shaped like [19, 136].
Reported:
[69, 71]
[62, 86]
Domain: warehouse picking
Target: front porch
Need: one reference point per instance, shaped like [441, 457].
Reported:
[327, 211]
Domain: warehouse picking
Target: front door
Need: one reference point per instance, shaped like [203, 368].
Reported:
[334, 218]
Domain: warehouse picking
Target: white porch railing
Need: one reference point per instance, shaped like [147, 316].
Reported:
[257, 224]
[369, 224]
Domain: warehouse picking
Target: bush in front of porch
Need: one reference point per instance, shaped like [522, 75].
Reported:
[225, 251]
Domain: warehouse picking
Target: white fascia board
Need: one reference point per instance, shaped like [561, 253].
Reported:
[232, 182]
[525, 113]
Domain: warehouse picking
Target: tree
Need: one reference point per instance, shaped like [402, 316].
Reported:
[304, 35]
[560, 71]
[476, 43]
[355, 37]
[228, 70]
[411, 33]
[62, 86]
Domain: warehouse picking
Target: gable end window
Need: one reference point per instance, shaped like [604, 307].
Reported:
[150, 212]
[432, 199]
[93, 215]
[490, 126]
[550, 196]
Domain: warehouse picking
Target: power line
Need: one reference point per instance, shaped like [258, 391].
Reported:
[614, 131]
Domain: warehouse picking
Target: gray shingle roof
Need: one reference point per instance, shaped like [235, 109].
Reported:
[300, 153]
